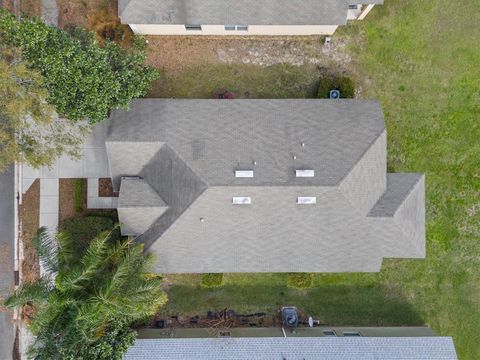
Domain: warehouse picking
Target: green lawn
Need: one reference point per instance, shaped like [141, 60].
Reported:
[422, 60]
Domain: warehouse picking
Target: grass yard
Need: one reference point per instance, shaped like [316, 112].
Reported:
[421, 59]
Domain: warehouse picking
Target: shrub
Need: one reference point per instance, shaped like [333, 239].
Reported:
[341, 83]
[84, 229]
[300, 280]
[212, 280]
[83, 79]
[223, 94]
[78, 194]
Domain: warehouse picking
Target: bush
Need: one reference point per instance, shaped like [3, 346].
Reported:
[223, 94]
[83, 79]
[78, 194]
[341, 83]
[84, 229]
[300, 280]
[212, 280]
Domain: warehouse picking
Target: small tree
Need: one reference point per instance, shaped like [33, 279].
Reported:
[30, 131]
[86, 312]
[84, 80]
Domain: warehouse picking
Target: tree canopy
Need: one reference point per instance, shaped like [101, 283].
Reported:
[86, 311]
[30, 131]
[84, 80]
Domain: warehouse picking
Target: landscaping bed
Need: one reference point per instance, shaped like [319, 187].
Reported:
[105, 188]
[69, 202]
[29, 214]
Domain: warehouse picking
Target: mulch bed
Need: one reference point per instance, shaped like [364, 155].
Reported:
[105, 188]
[29, 213]
[221, 320]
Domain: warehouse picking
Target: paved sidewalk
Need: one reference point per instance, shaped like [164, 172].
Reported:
[96, 202]
[93, 162]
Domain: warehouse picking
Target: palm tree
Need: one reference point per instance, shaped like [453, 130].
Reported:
[86, 295]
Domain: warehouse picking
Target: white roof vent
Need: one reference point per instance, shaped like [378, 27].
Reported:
[306, 200]
[244, 173]
[305, 173]
[241, 200]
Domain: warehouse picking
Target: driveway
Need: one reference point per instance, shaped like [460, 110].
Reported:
[7, 199]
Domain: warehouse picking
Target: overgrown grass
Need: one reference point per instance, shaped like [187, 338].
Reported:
[421, 59]
[245, 81]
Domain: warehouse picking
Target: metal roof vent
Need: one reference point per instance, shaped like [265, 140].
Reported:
[306, 200]
[305, 173]
[244, 173]
[241, 200]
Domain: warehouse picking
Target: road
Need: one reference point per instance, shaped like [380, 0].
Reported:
[7, 200]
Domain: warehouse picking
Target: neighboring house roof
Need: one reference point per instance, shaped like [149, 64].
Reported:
[293, 348]
[187, 151]
[237, 12]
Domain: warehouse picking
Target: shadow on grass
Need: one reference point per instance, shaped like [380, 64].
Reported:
[333, 304]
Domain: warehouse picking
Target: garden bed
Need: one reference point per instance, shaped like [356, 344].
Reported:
[29, 213]
[105, 188]
[67, 207]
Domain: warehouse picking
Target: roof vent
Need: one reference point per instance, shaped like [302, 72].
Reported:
[306, 200]
[241, 200]
[244, 173]
[305, 173]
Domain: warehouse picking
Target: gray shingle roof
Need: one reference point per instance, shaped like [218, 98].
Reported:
[239, 12]
[215, 138]
[295, 348]
[360, 217]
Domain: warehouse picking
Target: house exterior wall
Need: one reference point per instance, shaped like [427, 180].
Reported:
[157, 29]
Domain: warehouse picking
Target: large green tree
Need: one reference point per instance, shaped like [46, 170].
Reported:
[84, 80]
[85, 312]
[30, 131]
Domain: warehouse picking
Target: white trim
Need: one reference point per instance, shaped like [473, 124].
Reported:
[134, 28]
[366, 11]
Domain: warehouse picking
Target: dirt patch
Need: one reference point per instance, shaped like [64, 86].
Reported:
[105, 188]
[29, 213]
[173, 52]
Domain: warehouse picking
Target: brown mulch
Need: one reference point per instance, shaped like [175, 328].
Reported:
[29, 213]
[105, 188]
[66, 203]
[31, 7]
[220, 320]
